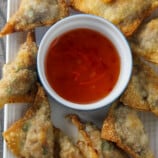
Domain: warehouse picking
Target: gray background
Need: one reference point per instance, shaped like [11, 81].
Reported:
[3, 11]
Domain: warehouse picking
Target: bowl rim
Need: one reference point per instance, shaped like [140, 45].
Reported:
[46, 38]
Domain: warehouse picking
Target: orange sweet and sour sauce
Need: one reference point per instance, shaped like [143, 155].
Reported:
[82, 66]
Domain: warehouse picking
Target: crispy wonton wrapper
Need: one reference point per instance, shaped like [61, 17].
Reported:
[123, 127]
[32, 135]
[90, 142]
[32, 14]
[64, 146]
[142, 90]
[144, 41]
[84, 142]
[18, 83]
[125, 14]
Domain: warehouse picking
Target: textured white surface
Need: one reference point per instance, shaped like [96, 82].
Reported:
[13, 112]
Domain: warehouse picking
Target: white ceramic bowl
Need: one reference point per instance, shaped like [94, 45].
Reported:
[104, 27]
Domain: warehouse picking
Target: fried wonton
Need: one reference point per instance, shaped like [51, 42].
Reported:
[125, 14]
[144, 41]
[64, 146]
[32, 14]
[83, 142]
[90, 136]
[141, 92]
[123, 127]
[110, 150]
[32, 135]
[18, 83]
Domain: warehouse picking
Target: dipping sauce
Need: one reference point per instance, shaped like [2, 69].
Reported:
[82, 66]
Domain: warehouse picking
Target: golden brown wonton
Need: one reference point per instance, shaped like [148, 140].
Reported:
[125, 14]
[18, 83]
[32, 14]
[123, 127]
[84, 142]
[64, 146]
[141, 92]
[144, 41]
[32, 135]
[91, 144]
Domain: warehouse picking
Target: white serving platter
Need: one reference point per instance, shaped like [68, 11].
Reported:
[15, 111]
